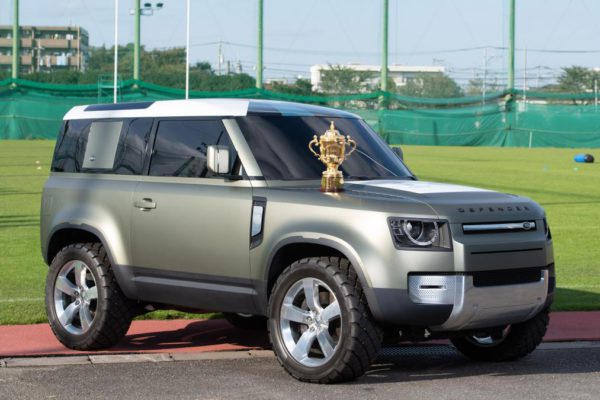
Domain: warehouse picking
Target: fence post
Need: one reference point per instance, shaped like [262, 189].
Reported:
[16, 45]
[384, 70]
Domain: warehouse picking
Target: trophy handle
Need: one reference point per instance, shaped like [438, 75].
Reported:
[313, 142]
[352, 143]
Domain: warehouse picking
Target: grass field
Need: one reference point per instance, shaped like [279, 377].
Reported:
[569, 192]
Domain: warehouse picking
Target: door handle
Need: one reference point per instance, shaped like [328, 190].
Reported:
[144, 204]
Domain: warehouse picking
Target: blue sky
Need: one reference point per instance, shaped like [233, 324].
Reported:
[299, 33]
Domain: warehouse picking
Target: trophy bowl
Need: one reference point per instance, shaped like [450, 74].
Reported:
[332, 153]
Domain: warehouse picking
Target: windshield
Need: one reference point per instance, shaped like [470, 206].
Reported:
[280, 146]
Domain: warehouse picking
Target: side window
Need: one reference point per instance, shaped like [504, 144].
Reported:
[132, 147]
[180, 147]
[68, 156]
[101, 147]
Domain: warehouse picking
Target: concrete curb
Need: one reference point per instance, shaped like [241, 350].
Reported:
[25, 362]
[29, 362]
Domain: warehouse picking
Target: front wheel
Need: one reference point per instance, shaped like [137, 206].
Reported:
[319, 324]
[505, 344]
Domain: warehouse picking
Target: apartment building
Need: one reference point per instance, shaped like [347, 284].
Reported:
[46, 48]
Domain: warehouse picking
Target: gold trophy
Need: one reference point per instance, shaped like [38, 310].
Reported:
[332, 153]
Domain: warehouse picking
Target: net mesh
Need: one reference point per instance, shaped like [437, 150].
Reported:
[34, 110]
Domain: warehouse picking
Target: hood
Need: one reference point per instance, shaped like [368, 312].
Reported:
[453, 202]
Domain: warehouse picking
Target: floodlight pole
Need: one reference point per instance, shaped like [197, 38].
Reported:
[259, 64]
[136, 40]
[187, 51]
[116, 56]
[384, 47]
[15, 42]
[511, 55]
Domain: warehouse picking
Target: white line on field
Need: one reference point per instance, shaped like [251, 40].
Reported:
[21, 299]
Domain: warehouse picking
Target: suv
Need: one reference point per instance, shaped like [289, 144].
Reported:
[215, 205]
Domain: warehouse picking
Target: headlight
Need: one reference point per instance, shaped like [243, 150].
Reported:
[420, 234]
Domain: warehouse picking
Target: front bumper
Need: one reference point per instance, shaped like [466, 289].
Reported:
[454, 302]
[479, 307]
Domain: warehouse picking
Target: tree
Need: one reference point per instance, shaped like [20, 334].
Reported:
[301, 87]
[475, 86]
[434, 85]
[162, 67]
[578, 79]
[343, 80]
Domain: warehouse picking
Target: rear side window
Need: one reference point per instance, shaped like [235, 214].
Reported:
[70, 147]
[180, 147]
[102, 143]
[104, 146]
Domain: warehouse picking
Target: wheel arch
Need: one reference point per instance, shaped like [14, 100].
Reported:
[297, 247]
[66, 234]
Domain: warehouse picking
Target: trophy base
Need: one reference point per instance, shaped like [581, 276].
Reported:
[332, 183]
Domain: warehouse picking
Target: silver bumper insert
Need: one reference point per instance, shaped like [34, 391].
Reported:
[479, 307]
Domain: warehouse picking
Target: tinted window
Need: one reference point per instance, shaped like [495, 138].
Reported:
[132, 147]
[280, 146]
[180, 147]
[70, 148]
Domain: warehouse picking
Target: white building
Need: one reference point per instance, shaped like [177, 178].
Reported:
[401, 74]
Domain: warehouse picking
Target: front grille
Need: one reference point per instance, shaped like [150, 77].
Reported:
[507, 276]
[500, 227]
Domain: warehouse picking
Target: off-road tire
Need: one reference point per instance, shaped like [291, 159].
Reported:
[360, 340]
[521, 339]
[248, 322]
[114, 311]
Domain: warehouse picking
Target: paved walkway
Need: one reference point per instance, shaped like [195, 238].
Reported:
[194, 336]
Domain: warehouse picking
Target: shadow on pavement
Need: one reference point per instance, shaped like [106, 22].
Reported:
[206, 333]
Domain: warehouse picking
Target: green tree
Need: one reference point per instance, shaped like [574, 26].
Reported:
[475, 86]
[302, 87]
[343, 80]
[434, 85]
[578, 79]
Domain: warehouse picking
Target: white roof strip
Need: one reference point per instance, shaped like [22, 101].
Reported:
[169, 108]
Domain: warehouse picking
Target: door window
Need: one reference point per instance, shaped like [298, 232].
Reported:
[181, 145]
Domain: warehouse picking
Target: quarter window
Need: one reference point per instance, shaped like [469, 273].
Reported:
[68, 156]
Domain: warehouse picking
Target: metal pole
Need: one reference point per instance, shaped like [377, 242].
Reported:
[525, 79]
[259, 64]
[511, 55]
[15, 44]
[483, 90]
[187, 52]
[116, 57]
[384, 48]
[384, 55]
[136, 41]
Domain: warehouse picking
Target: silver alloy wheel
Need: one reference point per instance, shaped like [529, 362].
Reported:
[492, 339]
[310, 321]
[75, 297]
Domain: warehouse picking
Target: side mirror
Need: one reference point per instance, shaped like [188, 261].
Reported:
[217, 159]
[398, 151]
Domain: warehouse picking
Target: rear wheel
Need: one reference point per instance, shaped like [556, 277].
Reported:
[505, 344]
[319, 323]
[85, 306]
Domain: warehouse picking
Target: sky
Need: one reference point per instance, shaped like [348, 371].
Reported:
[464, 36]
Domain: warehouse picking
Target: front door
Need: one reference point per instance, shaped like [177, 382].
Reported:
[190, 230]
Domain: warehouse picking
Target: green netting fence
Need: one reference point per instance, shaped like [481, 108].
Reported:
[33, 110]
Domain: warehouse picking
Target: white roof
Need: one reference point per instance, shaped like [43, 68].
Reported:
[165, 108]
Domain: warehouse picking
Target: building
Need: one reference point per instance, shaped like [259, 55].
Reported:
[400, 74]
[46, 48]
